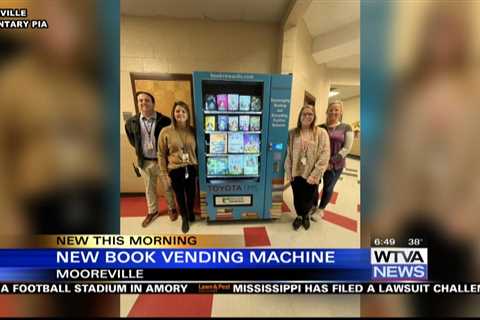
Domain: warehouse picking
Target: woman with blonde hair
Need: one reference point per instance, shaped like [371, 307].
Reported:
[178, 161]
[307, 159]
[341, 139]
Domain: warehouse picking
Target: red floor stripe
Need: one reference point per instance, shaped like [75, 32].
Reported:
[333, 199]
[340, 220]
[137, 206]
[172, 305]
[256, 237]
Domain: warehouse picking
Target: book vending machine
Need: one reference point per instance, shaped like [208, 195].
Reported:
[241, 125]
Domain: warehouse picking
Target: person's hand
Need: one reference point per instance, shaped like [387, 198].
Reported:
[311, 180]
[167, 182]
[337, 157]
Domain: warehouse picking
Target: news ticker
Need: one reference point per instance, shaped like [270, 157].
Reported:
[239, 288]
[164, 258]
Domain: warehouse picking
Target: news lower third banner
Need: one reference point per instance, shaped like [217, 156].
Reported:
[184, 258]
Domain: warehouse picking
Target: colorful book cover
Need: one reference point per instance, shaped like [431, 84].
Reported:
[244, 103]
[222, 123]
[255, 104]
[233, 102]
[251, 143]
[210, 102]
[209, 123]
[235, 142]
[255, 123]
[233, 123]
[244, 123]
[222, 102]
[250, 165]
[217, 166]
[218, 143]
[235, 165]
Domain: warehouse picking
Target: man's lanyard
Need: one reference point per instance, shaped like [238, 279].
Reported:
[147, 128]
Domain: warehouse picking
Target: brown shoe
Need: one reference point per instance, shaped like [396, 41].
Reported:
[173, 214]
[149, 218]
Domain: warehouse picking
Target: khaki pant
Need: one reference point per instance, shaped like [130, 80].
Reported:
[150, 174]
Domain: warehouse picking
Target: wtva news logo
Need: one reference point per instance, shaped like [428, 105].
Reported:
[399, 264]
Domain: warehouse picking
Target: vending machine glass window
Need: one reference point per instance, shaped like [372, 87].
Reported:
[232, 130]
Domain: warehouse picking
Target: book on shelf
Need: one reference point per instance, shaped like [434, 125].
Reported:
[210, 102]
[244, 102]
[235, 142]
[254, 123]
[209, 123]
[222, 102]
[232, 102]
[218, 142]
[244, 122]
[255, 104]
[276, 206]
[250, 165]
[235, 165]
[251, 143]
[217, 166]
[222, 123]
[233, 123]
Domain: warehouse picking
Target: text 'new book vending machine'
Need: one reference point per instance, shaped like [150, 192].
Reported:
[242, 132]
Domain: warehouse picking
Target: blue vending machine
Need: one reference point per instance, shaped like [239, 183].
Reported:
[242, 130]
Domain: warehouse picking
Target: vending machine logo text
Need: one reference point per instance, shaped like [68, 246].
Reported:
[225, 188]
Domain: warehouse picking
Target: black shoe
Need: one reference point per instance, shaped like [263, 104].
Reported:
[191, 218]
[297, 223]
[312, 214]
[306, 222]
[149, 218]
[173, 214]
[185, 226]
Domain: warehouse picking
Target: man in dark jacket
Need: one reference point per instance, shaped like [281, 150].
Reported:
[143, 131]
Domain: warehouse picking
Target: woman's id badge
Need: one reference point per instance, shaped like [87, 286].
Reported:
[303, 161]
[150, 145]
[186, 173]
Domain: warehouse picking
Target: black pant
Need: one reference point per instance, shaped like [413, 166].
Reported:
[184, 189]
[303, 195]
[330, 178]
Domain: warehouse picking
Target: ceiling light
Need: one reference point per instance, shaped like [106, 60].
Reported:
[333, 93]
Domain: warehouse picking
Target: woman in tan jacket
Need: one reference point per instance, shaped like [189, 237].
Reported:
[307, 159]
[178, 160]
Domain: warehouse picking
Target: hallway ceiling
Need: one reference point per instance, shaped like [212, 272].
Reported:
[345, 92]
[324, 16]
[220, 10]
[335, 29]
[333, 24]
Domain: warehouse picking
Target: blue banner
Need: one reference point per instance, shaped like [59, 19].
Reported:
[186, 258]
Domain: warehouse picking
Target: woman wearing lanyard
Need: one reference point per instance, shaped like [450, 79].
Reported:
[178, 160]
[307, 159]
[341, 140]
